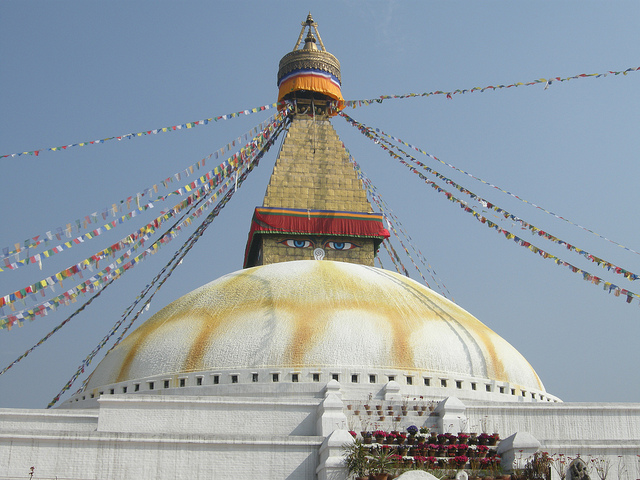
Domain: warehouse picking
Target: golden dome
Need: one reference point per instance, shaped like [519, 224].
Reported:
[315, 314]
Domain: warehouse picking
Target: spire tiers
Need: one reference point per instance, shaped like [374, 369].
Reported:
[315, 206]
[310, 72]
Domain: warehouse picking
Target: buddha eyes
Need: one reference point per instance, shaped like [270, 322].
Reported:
[332, 245]
[297, 243]
[340, 245]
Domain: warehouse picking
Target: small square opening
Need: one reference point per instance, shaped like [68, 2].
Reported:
[316, 377]
[295, 377]
[275, 377]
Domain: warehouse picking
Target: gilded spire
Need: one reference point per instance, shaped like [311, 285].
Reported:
[315, 206]
[309, 72]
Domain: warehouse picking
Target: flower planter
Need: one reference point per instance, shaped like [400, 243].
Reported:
[379, 476]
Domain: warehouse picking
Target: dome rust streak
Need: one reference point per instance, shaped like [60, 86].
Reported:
[138, 339]
[401, 325]
[212, 319]
[482, 334]
[309, 325]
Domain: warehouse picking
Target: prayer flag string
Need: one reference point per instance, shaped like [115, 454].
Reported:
[486, 204]
[67, 320]
[504, 191]
[176, 260]
[173, 128]
[122, 205]
[392, 222]
[449, 94]
[86, 304]
[119, 265]
[143, 232]
[607, 286]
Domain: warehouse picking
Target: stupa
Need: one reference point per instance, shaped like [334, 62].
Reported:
[310, 305]
[260, 373]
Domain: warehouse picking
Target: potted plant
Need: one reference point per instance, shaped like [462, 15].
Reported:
[462, 448]
[474, 467]
[481, 451]
[380, 464]
[356, 459]
[459, 461]
[379, 435]
[560, 464]
[538, 467]
[451, 450]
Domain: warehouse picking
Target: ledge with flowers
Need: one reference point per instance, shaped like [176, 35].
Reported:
[382, 455]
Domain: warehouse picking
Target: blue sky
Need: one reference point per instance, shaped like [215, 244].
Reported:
[79, 71]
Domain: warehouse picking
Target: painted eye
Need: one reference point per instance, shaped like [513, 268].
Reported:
[297, 243]
[341, 245]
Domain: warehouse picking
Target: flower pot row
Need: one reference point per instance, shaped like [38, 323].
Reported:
[462, 441]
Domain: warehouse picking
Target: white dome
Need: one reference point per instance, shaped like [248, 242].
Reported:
[315, 314]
